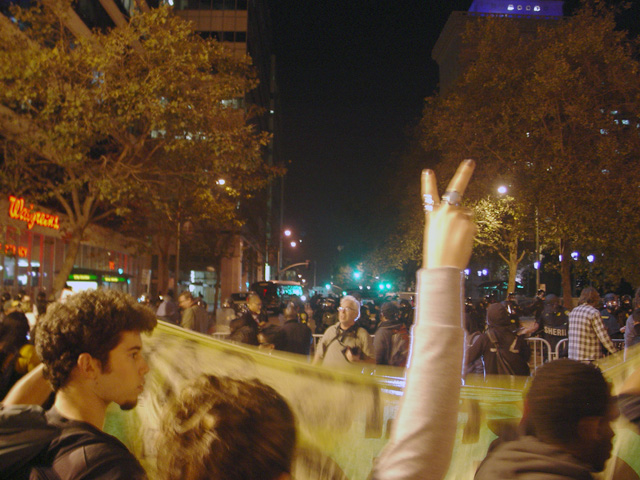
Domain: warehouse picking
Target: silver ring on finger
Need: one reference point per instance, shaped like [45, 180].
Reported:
[452, 198]
[428, 203]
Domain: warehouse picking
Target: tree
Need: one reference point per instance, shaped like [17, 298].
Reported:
[101, 123]
[554, 114]
[502, 227]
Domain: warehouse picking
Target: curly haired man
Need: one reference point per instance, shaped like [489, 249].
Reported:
[91, 349]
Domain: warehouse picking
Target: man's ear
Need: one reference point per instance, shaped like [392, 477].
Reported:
[88, 366]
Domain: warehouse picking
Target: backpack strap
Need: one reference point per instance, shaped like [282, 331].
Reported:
[502, 363]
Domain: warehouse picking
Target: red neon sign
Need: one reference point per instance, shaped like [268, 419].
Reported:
[18, 211]
[12, 250]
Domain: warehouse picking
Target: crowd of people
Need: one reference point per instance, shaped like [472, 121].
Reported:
[226, 428]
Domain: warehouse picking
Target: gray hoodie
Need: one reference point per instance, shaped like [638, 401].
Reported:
[527, 458]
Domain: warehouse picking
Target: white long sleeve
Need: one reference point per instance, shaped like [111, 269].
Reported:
[424, 431]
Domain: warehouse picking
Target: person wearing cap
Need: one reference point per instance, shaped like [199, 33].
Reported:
[383, 341]
[503, 352]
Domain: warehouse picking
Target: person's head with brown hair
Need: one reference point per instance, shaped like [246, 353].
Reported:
[14, 331]
[91, 322]
[222, 428]
[570, 404]
[590, 296]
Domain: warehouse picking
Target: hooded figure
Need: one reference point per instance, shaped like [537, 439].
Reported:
[503, 352]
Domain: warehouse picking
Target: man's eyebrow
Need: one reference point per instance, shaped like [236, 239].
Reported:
[135, 347]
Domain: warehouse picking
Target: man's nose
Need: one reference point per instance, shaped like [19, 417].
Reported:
[144, 367]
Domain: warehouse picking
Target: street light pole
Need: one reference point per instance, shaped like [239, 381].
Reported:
[537, 253]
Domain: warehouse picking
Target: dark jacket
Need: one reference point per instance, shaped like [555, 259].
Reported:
[527, 458]
[554, 321]
[299, 337]
[244, 329]
[382, 341]
[513, 348]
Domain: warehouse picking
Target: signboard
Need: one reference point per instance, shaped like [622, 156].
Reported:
[113, 279]
[18, 211]
[83, 277]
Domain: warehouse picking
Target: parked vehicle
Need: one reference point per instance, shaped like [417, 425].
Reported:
[276, 293]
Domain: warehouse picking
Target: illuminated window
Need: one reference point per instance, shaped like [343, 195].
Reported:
[536, 8]
[528, 8]
[519, 7]
[510, 7]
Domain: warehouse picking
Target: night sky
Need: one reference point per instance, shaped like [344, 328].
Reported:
[353, 76]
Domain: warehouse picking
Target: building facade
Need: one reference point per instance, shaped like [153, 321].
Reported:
[34, 245]
[244, 26]
[528, 13]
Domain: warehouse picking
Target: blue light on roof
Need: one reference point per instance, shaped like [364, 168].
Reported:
[547, 8]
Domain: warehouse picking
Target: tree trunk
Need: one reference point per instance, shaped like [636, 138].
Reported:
[565, 272]
[69, 261]
[162, 248]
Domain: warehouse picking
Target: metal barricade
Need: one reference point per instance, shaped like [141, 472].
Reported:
[220, 335]
[316, 340]
[541, 352]
[617, 342]
[560, 346]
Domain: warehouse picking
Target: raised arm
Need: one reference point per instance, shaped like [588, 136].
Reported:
[31, 389]
[424, 432]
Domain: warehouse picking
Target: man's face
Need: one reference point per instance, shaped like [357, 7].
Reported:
[598, 447]
[122, 378]
[347, 313]
[254, 304]
[184, 302]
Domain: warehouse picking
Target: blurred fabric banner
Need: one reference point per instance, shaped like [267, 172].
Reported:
[344, 417]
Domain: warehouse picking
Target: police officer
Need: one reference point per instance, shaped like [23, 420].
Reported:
[329, 312]
[625, 310]
[553, 322]
[609, 315]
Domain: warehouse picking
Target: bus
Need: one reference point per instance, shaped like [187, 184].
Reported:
[276, 293]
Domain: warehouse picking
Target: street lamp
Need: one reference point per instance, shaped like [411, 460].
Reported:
[286, 233]
[502, 189]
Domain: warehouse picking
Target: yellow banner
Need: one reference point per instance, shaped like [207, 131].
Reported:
[344, 417]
